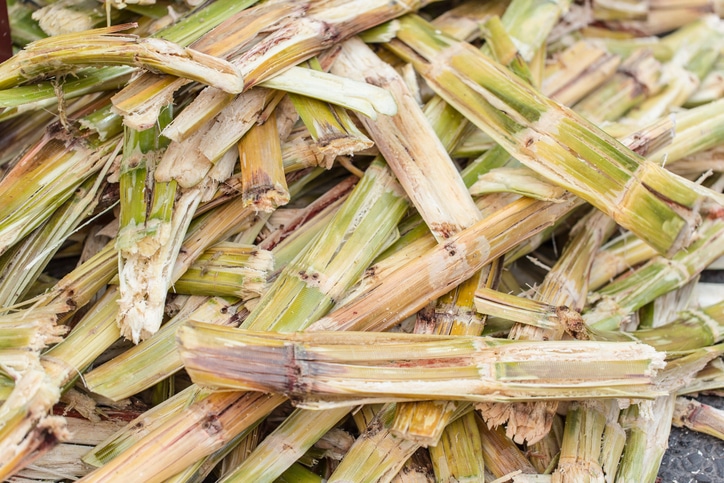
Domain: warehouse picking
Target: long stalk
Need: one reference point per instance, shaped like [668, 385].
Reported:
[155, 358]
[330, 367]
[534, 128]
[423, 168]
[564, 288]
[106, 46]
[379, 307]
[296, 40]
[347, 240]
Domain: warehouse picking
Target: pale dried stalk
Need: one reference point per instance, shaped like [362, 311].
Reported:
[690, 413]
[381, 453]
[140, 102]
[106, 46]
[542, 127]
[331, 367]
[299, 39]
[502, 456]
[565, 289]
[264, 186]
[423, 167]
[190, 434]
[379, 306]
[577, 70]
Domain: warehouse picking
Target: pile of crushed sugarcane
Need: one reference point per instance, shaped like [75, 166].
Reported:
[358, 240]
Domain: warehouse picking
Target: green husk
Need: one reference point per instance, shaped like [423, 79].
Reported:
[24, 262]
[455, 462]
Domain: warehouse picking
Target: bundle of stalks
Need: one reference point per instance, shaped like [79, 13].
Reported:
[273, 240]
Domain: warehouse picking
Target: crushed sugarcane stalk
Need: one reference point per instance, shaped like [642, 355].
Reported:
[324, 240]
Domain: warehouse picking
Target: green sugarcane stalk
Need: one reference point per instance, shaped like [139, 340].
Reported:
[330, 126]
[156, 358]
[635, 79]
[319, 277]
[106, 46]
[294, 41]
[457, 259]
[148, 233]
[577, 71]
[218, 29]
[50, 171]
[377, 455]
[285, 445]
[21, 99]
[148, 421]
[648, 434]
[690, 413]
[472, 368]
[629, 293]
[577, 151]
[454, 462]
[618, 255]
[233, 413]
[298, 474]
[23, 263]
[227, 269]
[304, 280]
[581, 446]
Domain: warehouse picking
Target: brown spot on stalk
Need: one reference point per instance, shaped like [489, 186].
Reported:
[212, 425]
[572, 322]
[295, 375]
[433, 363]
[715, 212]
[450, 249]
[445, 230]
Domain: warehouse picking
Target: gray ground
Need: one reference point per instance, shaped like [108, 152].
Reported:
[693, 457]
